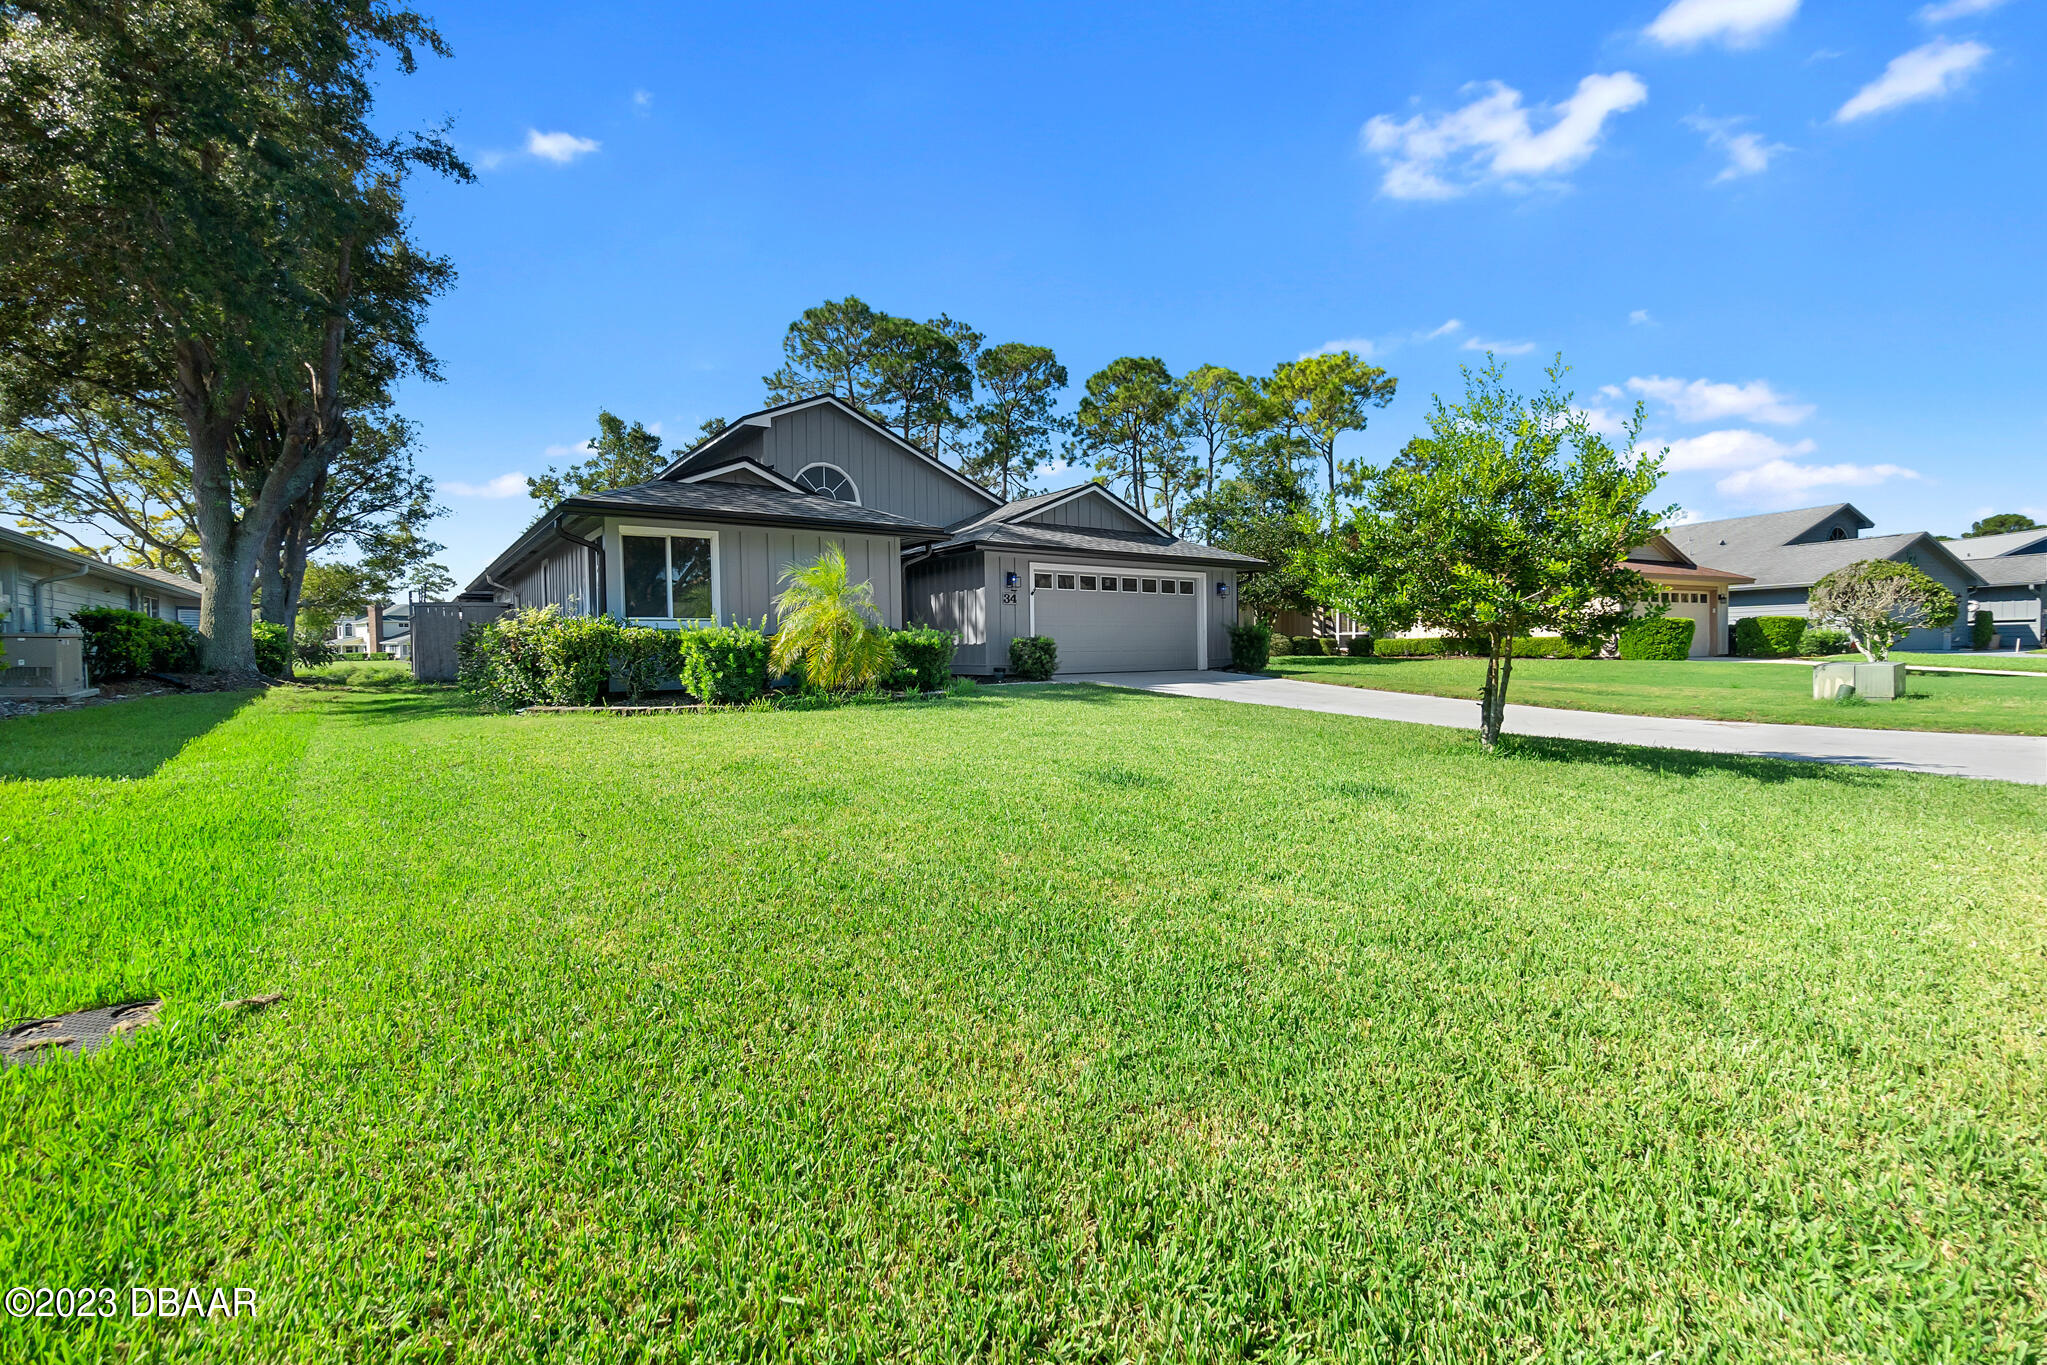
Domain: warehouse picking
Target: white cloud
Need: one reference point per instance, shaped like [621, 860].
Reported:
[1956, 9]
[503, 486]
[579, 448]
[1786, 482]
[643, 99]
[1734, 448]
[1498, 347]
[1359, 346]
[1747, 153]
[1453, 325]
[1604, 421]
[1686, 516]
[1938, 68]
[1701, 400]
[1736, 23]
[1492, 140]
[560, 148]
[1640, 318]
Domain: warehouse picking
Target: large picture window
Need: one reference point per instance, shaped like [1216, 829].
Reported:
[667, 577]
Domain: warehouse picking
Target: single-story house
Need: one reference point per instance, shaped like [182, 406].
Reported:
[41, 583]
[1784, 553]
[707, 540]
[1690, 590]
[2013, 567]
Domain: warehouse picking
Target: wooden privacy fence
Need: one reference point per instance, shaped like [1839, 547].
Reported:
[437, 626]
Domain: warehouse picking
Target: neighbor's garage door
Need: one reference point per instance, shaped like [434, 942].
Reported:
[1118, 621]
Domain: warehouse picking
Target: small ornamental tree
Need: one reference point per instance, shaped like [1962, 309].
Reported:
[1511, 516]
[830, 628]
[1878, 602]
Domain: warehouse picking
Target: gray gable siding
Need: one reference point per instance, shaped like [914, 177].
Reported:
[742, 475]
[889, 478]
[1845, 522]
[1089, 512]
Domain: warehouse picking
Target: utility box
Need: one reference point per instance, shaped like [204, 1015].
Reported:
[1873, 682]
[46, 667]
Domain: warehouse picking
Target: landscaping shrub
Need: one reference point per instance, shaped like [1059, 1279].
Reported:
[1358, 646]
[378, 656]
[1409, 647]
[1553, 647]
[1250, 647]
[273, 648]
[1983, 630]
[1279, 646]
[311, 647]
[125, 644]
[1314, 644]
[1769, 637]
[725, 664]
[1662, 637]
[926, 652]
[537, 657]
[1034, 658]
[1825, 640]
[645, 658]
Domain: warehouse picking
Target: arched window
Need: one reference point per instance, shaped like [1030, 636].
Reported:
[828, 481]
[1838, 534]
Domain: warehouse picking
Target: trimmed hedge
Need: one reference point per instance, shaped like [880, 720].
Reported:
[1525, 647]
[1250, 647]
[126, 644]
[1034, 658]
[723, 663]
[1825, 640]
[1280, 647]
[925, 652]
[1358, 646]
[1662, 637]
[1553, 647]
[1769, 637]
[538, 657]
[1983, 630]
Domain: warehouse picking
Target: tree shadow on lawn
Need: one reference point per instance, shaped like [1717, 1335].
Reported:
[129, 739]
[1690, 762]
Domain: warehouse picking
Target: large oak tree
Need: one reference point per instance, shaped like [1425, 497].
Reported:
[200, 216]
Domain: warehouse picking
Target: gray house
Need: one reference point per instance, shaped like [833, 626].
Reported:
[707, 541]
[1785, 553]
[2013, 569]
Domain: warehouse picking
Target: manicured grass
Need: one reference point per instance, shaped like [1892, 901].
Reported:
[1058, 1022]
[2035, 662]
[1713, 689]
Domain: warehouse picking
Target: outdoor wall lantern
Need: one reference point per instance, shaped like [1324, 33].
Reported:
[1009, 580]
[1222, 590]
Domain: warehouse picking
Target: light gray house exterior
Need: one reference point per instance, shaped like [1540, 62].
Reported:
[708, 539]
[41, 584]
[1785, 553]
[2013, 569]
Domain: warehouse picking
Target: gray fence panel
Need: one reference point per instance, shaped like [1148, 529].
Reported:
[437, 626]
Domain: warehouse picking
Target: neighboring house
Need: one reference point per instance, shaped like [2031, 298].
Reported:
[1785, 553]
[708, 540]
[1690, 590]
[41, 583]
[2013, 567]
[389, 626]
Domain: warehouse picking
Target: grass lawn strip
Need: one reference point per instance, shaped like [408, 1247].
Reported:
[1072, 1022]
[1706, 689]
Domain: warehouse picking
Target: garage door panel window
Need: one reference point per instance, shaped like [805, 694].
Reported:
[1108, 584]
[1041, 580]
[1087, 582]
[1066, 581]
[1186, 587]
[1151, 585]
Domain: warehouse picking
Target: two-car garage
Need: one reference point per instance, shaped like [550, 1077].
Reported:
[1111, 619]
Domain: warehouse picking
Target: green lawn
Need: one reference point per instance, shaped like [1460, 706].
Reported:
[1061, 1023]
[2035, 662]
[1713, 689]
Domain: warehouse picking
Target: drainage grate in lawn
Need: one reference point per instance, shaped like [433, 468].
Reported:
[85, 1031]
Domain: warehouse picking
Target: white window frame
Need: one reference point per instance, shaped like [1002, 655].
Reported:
[1200, 577]
[617, 570]
[827, 464]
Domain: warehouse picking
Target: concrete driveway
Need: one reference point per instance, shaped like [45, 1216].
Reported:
[2000, 758]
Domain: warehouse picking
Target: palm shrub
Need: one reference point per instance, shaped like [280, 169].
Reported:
[830, 629]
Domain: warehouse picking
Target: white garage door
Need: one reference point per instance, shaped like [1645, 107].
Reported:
[1110, 620]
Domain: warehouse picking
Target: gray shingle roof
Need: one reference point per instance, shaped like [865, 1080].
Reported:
[1724, 543]
[1074, 540]
[153, 579]
[749, 502]
[2011, 570]
[1799, 566]
[2010, 543]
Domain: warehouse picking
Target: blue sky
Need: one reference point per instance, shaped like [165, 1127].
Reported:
[1808, 235]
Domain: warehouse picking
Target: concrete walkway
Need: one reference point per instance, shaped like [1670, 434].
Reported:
[2002, 758]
